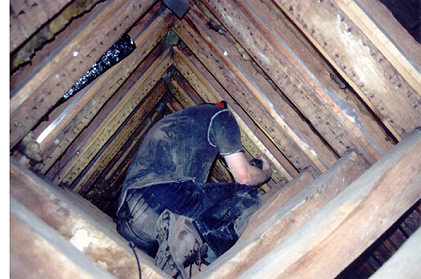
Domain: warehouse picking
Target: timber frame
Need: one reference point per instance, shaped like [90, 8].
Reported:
[329, 91]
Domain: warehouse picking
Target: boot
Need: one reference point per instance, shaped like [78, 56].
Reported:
[180, 245]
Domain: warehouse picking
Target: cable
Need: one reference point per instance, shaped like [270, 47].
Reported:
[132, 245]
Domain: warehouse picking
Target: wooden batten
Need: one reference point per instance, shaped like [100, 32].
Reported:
[33, 100]
[344, 228]
[363, 66]
[328, 91]
[131, 99]
[253, 139]
[276, 221]
[74, 219]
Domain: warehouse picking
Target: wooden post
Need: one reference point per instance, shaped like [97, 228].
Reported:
[344, 228]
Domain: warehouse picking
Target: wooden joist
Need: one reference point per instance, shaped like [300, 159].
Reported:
[246, 94]
[23, 23]
[38, 251]
[133, 97]
[253, 139]
[115, 143]
[31, 101]
[297, 44]
[286, 218]
[293, 79]
[80, 223]
[357, 59]
[97, 95]
[405, 262]
[344, 228]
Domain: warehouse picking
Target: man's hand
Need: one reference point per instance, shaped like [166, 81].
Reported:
[244, 173]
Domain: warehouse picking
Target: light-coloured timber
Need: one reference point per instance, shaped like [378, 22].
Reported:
[38, 251]
[359, 62]
[289, 75]
[68, 63]
[95, 97]
[110, 124]
[237, 85]
[345, 227]
[405, 262]
[388, 35]
[88, 229]
[281, 221]
[252, 139]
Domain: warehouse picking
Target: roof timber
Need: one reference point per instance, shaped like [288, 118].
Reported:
[30, 102]
[216, 60]
[365, 68]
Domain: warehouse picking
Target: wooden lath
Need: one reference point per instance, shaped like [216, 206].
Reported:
[281, 66]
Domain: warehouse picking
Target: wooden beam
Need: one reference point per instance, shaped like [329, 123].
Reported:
[287, 218]
[263, 83]
[210, 91]
[115, 118]
[115, 143]
[22, 22]
[86, 227]
[388, 35]
[38, 251]
[293, 79]
[246, 94]
[67, 64]
[103, 89]
[290, 35]
[405, 262]
[363, 65]
[344, 228]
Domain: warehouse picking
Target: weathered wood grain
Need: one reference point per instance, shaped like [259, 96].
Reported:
[405, 262]
[70, 215]
[237, 85]
[280, 25]
[37, 251]
[293, 78]
[253, 139]
[362, 65]
[352, 221]
[115, 118]
[23, 23]
[115, 143]
[68, 63]
[281, 222]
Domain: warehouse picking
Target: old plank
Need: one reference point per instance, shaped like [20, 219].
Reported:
[38, 251]
[405, 262]
[253, 139]
[293, 78]
[246, 94]
[22, 22]
[115, 118]
[72, 217]
[95, 97]
[277, 197]
[388, 35]
[262, 82]
[363, 66]
[114, 145]
[69, 62]
[323, 72]
[284, 222]
[352, 221]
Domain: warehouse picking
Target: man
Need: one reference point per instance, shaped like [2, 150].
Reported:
[166, 208]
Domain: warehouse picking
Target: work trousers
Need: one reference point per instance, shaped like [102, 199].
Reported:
[220, 212]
